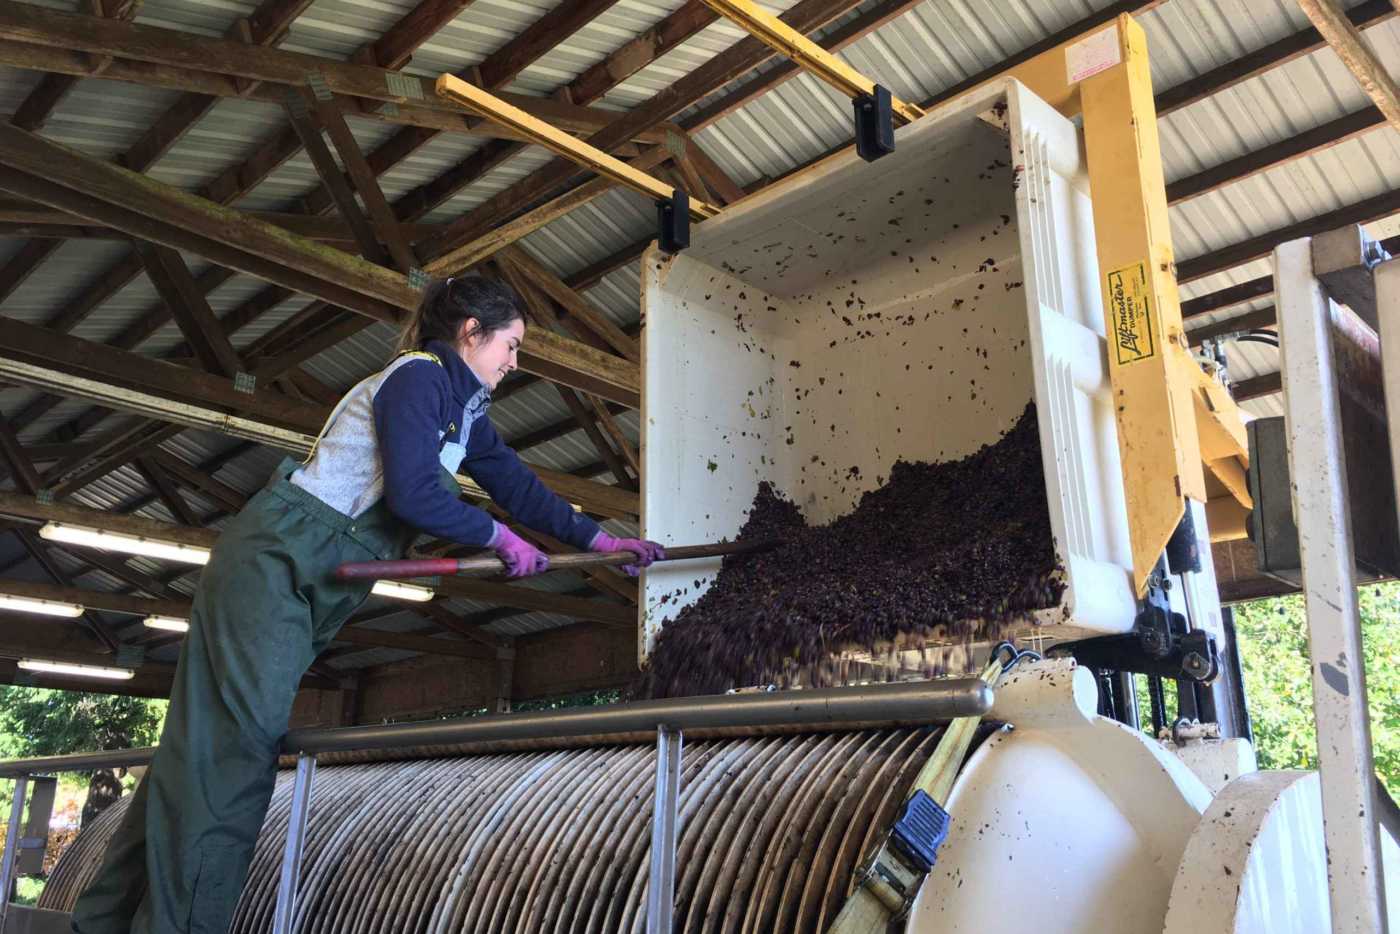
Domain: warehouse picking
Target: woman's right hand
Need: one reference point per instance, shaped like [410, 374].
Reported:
[520, 557]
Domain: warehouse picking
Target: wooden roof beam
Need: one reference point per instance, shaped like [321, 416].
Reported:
[186, 303]
[1237, 254]
[111, 371]
[1304, 42]
[744, 55]
[1345, 39]
[585, 89]
[212, 66]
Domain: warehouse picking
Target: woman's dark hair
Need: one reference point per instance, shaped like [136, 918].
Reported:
[448, 302]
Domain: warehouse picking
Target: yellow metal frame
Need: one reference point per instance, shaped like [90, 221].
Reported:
[1180, 435]
[450, 87]
[782, 38]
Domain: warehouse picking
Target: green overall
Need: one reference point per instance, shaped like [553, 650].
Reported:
[267, 604]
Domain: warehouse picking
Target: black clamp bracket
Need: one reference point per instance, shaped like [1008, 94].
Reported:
[874, 123]
[673, 222]
[1160, 644]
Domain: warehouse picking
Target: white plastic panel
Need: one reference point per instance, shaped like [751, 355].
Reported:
[1256, 864]
[857, 314]
[1064, 823]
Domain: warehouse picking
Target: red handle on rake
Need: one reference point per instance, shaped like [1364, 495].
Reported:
[490, 566]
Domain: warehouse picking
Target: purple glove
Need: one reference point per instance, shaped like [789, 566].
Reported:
[521, 558]
[646, 552]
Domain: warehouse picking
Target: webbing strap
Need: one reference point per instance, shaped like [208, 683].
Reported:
[888, 884]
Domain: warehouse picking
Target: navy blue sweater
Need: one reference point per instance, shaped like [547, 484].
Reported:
[422, 403]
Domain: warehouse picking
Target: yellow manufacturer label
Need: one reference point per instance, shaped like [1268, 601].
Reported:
[1130, 301]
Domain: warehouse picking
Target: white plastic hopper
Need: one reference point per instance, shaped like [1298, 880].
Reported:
[859, 313]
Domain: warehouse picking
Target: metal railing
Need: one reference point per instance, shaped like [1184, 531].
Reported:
[866, 706]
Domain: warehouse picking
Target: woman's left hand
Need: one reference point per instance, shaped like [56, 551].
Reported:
[646, 551]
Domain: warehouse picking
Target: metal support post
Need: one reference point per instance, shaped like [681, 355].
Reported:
[1126, 693]
[1387, 279]
[665, 821]
[11, 852]
[296, 836]
[1317, 466]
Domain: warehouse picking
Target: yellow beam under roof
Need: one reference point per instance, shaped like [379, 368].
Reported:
[782, 38]
[452, 88]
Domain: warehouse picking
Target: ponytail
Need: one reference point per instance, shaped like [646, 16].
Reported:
[448, 302]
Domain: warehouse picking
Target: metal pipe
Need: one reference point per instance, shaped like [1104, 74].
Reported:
[903, 704]
[77, 762]
[11, 853]
[665, 828]
[910, 703]
[291, 854]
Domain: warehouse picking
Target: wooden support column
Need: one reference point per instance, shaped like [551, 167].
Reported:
[304, 119]
[157, 479]
[505, 676]
[386, 224]
[188, 306]
[586, 420]
[36, 548]
[21, 467]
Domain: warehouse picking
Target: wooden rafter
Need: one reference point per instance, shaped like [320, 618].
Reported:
[21, 467]
[585, 89]
[51, 40]
[113, 371]
[180, 608]
[37, 550]
[1227, 75]
[186, 302]
[1346, 40]
[1237, 254]
[587, 420]
[157, 479]
[744, 55]
[24, 264]
[35, 110]
[304, 118]
[492, 241]
[203, 226]
[366, 184]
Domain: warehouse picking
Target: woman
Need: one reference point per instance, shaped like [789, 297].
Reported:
[267, 603]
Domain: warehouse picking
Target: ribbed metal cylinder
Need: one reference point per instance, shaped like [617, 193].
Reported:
[772, 829]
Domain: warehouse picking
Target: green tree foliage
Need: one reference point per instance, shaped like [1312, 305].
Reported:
[44, 722]
[1273, 643]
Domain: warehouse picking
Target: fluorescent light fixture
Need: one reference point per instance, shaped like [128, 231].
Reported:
[402, 591]
[45, 607]
[168, 623]
[80, 671]
[127, 544]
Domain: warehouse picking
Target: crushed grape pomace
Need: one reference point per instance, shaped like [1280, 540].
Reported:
[953, 552]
